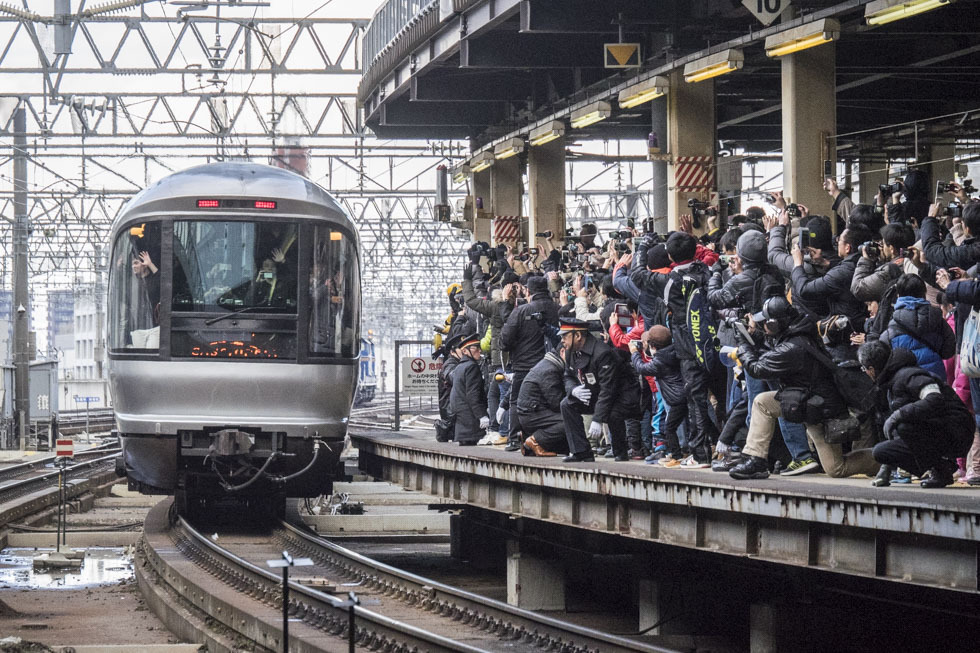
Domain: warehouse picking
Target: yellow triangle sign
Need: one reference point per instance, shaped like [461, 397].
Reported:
[622, 55]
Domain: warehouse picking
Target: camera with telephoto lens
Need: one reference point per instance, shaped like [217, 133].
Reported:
[890, 189]
[793, 211]
[871, 249]
[480, 249]
[701, 209]
[544, 234]
[953, 210]
[946, 187]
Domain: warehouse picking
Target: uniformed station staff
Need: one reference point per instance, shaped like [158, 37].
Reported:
[468, 397]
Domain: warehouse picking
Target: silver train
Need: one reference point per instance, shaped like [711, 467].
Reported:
[233, 335]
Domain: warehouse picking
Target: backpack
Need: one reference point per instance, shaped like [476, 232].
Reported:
[702, 327]
[860, 389]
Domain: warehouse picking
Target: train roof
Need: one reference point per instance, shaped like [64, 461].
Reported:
[231, 179]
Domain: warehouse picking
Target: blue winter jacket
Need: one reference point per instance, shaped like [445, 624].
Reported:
[920, 327]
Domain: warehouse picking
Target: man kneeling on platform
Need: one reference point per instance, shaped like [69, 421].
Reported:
[539, 407]
[807, 393]
[599, 381]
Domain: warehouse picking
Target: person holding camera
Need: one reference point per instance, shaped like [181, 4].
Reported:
[943, 255]
[816, 240]
[598, 382]
[834, 287]
[526, 337]
[468, 397]
[881, 264]
[807, 392]
[687, 274]
[926, 424]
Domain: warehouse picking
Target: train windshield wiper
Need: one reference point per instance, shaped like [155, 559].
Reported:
[226, 315]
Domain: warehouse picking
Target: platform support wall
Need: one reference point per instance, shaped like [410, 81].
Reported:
[507, 191]
[546, 189]
[481, 193]
[658, 125]
[942, 166]
[871, 174]
[809, 116]
[534, 583]
[691, 132]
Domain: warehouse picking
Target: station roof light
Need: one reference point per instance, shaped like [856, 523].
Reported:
[508, 148]
[481, 161]
[591, 114]
[886, 11]
[547, 133]
[714, 65]
[645, 91]
[800, 38]
[461, 173]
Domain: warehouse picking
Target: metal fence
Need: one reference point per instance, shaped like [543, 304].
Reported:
[392, 18]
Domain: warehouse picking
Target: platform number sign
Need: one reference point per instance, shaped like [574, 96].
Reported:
[766, 10]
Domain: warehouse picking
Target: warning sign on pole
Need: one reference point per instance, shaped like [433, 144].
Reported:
[622, 55]
[64, 448]
[420, 376]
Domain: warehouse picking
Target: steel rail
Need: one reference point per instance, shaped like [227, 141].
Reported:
[522, 625]
[324, 611]
[22, 487]
[21, 468]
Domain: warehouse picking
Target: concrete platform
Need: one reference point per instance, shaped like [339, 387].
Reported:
[908, 534]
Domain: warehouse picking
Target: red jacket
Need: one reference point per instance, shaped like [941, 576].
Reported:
[621, 340]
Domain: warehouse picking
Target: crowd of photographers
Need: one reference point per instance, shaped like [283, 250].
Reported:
[777, 342]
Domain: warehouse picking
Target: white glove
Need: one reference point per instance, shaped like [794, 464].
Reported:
[595, 429]
[721, 448]
[500, 414]
[484, 422]
[509, 377]
[582, 393]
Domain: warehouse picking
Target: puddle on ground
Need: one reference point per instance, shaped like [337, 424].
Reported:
[101, 566]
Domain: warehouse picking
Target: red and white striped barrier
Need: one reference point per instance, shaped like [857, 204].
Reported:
[693, 173]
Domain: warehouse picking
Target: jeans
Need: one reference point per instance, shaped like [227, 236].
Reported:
[794, 435]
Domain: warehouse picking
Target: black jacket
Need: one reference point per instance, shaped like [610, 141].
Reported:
[788, 362]
[747, 290]
[965, 293]
[543, 387]
[523, 335]
[669, 286]
[965, 255]
[941, 414]
[782, 259]
[834, 288]
[615, 388]
[446, 384]
[666, 369]
[468, 400]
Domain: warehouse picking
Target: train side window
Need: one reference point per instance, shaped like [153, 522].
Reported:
[134, 289]
[334, 295]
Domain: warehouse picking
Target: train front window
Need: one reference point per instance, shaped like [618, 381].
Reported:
[335, 295]
[235, 266]
[134, 290]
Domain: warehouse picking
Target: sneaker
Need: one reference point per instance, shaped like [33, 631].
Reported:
[693, 463]
[654, 458]
[726, 462]
[883, 477]
[973, 480]
[487, 439]
[502, 439]
[808, 465]
[671, 463]
[901, 476]
[936, 477]
[609, 454]
[636, 454]
[750, 467]
[622, 458]
[513, 446]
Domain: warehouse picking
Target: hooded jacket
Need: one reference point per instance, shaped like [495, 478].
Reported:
[665, 367]
[869, 282]
[523, 335]
[669, 286]
[834, 288]
[788, 362]
[543, 387]
[919, 327]
[913, 409]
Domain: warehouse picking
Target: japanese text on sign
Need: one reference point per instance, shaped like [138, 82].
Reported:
[420, 376]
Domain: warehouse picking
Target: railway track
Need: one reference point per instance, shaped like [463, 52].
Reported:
[24, 497]
[412, 613]
[30, 468]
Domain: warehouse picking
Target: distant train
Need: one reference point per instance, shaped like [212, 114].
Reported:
[233, 335]
[367, 378]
